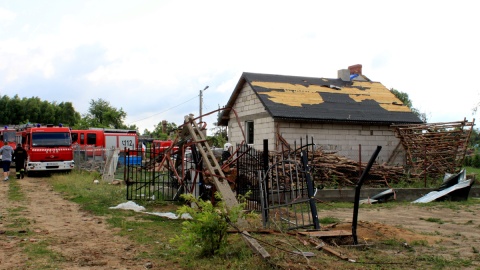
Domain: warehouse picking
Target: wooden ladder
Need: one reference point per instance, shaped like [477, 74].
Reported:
[219, 180]
[209, 160]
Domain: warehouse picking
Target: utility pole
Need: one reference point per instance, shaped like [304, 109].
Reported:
[201, 101]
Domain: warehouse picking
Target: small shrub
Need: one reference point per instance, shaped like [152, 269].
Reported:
[206, 234]
[476, 161]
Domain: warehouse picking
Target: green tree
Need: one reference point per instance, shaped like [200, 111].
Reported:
[102, 115]
[66, 114]
[163, 130]
[32, 109]
[405, 99]
[147, 133]
[48, 113]
[474, 139]
[5, 116]
[219, 136]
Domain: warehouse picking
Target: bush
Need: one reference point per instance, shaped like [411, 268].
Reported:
[468, 161]
[476, 161]
[206, 234]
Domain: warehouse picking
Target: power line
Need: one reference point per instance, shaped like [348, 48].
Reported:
[163, 111]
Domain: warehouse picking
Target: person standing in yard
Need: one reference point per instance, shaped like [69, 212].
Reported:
[227, 152]
[6, 151]
[19, 156]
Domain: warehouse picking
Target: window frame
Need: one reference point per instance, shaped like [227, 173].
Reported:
[250, 132]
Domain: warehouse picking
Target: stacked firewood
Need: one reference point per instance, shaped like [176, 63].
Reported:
[330, 169]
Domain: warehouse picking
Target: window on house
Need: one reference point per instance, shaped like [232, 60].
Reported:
[250, 131]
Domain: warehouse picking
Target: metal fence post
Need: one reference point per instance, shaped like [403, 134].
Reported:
[358, 187]
[311, 194]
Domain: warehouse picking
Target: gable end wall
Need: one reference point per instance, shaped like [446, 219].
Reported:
[250, 108]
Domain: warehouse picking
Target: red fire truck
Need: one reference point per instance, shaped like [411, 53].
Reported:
[106, 138]
[160, 146]
[49, 148]
[7, 134]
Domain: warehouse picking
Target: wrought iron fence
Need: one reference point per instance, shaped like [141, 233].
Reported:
[161, 175]
[274, 184]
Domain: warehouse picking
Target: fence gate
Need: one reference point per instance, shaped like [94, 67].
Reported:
[280, 186]
[287, 196]
[153, 175]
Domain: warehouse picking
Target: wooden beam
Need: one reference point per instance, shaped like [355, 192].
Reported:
[255, 245]
[321, 234]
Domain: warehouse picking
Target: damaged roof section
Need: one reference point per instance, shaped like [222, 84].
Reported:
[326, 100]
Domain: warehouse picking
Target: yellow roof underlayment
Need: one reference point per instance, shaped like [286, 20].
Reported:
[311, 94]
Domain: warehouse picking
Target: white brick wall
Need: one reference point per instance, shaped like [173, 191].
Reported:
[248, 106]
[347, 138]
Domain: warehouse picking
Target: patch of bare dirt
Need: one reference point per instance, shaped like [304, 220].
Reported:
[455, 231]
[82, 240]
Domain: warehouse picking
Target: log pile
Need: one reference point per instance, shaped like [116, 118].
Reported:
[330, 169]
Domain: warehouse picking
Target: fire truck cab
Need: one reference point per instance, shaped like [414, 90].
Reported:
[49, 148]
[7, 135]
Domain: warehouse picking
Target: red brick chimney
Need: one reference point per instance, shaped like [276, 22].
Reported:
[355, 69]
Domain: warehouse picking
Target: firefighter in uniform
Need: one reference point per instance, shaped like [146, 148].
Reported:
[19, 156]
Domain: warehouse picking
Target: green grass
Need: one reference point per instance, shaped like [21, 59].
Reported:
[434, 220]
[439, 262]
[14, 191]
[145, 230]
[472, 170]
[41, 257]
[419, 243]
[155, 234]
[329, 220]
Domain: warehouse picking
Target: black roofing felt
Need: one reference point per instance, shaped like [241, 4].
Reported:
[336, 107]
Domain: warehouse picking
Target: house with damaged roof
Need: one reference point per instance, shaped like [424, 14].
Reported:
[343, 114]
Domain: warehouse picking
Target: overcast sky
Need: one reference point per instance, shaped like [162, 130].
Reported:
[151, 58]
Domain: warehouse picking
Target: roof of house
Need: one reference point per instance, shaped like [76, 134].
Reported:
[324, 100]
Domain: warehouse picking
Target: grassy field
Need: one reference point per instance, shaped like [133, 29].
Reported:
[156, 233]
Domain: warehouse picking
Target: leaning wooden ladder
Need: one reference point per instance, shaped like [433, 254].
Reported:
[209, 160]
[191, 128]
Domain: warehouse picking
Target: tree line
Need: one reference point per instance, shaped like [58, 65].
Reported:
[101, 114]
[19, 111]
[16, 111]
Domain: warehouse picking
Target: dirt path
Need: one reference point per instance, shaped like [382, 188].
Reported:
[454, 231]
[78, 240]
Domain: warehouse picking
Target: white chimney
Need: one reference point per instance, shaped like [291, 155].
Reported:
[344, 75]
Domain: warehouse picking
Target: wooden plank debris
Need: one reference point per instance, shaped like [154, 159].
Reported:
[320, 234]
[329, 249]
[255, 245]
